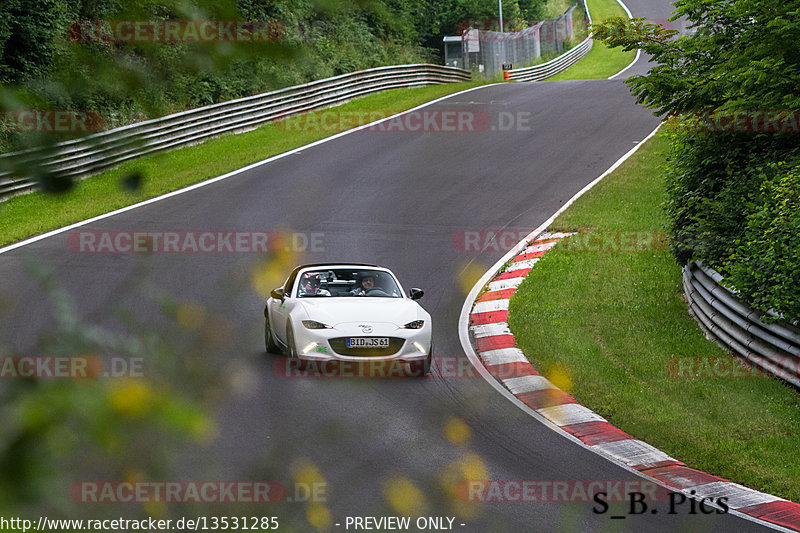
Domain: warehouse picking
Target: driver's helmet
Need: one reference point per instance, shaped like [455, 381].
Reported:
[310, 283]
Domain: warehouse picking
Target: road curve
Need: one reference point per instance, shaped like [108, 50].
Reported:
[397, 199]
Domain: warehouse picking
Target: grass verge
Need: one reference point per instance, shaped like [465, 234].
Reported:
[601, 61]
[30, 214]
[606, 324]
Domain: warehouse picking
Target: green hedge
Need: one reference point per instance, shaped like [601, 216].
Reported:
[733, 202]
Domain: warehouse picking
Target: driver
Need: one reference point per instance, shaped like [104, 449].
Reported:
[310, 286]
[366, 282]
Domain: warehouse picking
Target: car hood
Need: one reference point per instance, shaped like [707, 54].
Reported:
[334, 311]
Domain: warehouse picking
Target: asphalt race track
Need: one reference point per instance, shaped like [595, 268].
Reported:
[397, 199]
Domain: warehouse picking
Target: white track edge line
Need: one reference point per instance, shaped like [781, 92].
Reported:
[466, 345]
[638, 51]
[635, 59]
[209, 181]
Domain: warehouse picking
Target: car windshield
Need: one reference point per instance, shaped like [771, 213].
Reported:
[347, 283]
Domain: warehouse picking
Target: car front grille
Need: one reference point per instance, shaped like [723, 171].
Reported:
[339, 345]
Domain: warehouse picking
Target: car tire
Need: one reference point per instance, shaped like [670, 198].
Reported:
[292, 348]
[269, 340]
[420, 369]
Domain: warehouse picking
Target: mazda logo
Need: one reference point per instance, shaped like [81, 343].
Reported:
[366, 328]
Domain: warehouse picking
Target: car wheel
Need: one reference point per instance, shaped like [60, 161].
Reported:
[301, 364]
[421, 369]
[269, 340]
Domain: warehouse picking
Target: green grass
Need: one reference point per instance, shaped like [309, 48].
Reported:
[601, 61]
[605, 324]
[30, 214]
[554, 8]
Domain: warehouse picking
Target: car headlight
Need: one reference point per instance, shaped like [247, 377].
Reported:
[417, 324]
[313, 324]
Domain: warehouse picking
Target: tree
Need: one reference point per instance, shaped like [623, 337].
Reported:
[730, 89]
[742, 55]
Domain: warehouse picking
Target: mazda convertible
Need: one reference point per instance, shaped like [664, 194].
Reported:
[348, 312]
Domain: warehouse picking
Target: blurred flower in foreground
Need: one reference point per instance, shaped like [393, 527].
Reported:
[404, 497]
[319, 516]
[559, 376]
[272, 271]
[454, 479]
[131, 398]
[457, 431]
[469, 275]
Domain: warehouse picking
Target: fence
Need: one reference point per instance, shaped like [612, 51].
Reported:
[559, 64]
[488, 51]
[90, 154]
[773, 348]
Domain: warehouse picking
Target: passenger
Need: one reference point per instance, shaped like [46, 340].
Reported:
[310, 286]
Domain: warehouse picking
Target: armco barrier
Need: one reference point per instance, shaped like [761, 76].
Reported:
[90, 154]
[554, 66]
[773, 348]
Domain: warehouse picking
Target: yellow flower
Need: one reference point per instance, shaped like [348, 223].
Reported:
[131, 397]
[403, 496]
[319, 516]
[559, 376]
[457, 431]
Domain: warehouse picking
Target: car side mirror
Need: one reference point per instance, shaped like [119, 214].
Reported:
[277, 293]
[416, 294]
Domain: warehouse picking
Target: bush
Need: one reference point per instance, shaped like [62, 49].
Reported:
[730, 196]
[732, 202]
[765, 267]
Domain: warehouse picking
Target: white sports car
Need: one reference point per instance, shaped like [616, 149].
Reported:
[348, 312]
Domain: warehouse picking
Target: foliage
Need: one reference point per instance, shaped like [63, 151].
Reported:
[98, 424]
[728, 192]
[769, 254]
[743, 55]
[46, 64]
[437, 18]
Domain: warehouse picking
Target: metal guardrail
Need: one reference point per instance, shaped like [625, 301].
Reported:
[773, 348]
[93, 153]
[554, 66]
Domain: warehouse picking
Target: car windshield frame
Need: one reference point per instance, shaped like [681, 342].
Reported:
[344, 280]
